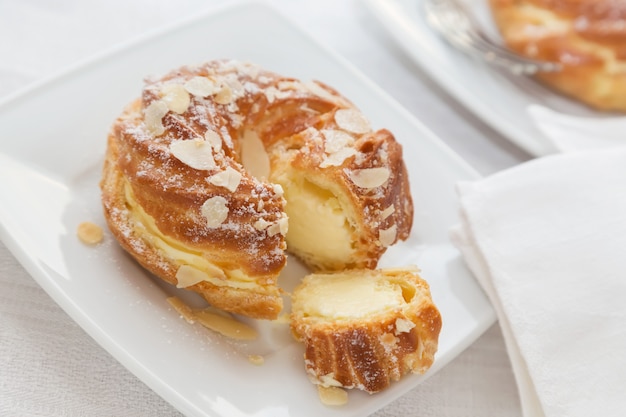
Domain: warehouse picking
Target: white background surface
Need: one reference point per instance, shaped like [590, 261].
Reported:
[50, 367]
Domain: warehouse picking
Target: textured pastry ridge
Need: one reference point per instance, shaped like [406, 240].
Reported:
[199, 168]
[366, 345]
[588, 38]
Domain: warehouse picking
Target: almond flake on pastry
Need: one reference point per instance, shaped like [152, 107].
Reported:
[387, 212]
[370, 177]
[388, 236]
[229, 179]
[352, 120]
[200, 86]
[215, 210]
[154, 117]
[214, 139]
[176, 97]
[196, 153]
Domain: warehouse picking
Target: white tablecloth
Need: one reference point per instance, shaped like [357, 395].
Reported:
[50, 367]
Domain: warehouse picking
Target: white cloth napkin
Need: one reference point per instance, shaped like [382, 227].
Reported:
[547, 241]
[569, 133]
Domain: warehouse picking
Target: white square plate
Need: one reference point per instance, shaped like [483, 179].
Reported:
[506, 102]
[51, 150]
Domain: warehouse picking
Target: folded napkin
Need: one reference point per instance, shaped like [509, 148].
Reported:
[574, 133]
[547, 241]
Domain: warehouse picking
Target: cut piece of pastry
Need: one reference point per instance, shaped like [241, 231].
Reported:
[587, 37]
[198, 170]
[365, 328]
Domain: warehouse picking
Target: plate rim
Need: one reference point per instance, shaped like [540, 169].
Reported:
[388, 13]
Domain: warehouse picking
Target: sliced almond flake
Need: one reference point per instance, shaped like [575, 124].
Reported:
[387, 236]
[200, 86]
[400, 270]
[187, 276]
[196, 153]
[153, 117]
[274, 229]
[232, 65]
[262, 224]
[352, 120]
[387, 212]
[305, 108]
[369, 177]
[278, 189]
[337, 158]
[229, 179]
[328, 380]
[224, 95]
[283, 225]
[289, 85]
[235, 85]
[176, 97]
[320, 91]
[90, 233]
[270, 94]
[254, 158]
[225, 325]
[388, 339]
[284, 94]
[403, 326]
[332, 396]
[252, 70]
[181, 308]
[336, 140]
[214, 139]
[215, 210]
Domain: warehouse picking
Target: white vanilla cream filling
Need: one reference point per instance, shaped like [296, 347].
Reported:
[318, 227]
[348, 296]
[194, 267]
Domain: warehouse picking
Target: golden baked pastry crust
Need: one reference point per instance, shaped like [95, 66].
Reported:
[587, 37]
[136, 241]
[365, 328]
[176, 212]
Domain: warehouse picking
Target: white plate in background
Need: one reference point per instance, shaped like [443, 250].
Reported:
[51, 151]
[502, 100]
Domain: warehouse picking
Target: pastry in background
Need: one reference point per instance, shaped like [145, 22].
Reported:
[587, 37]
